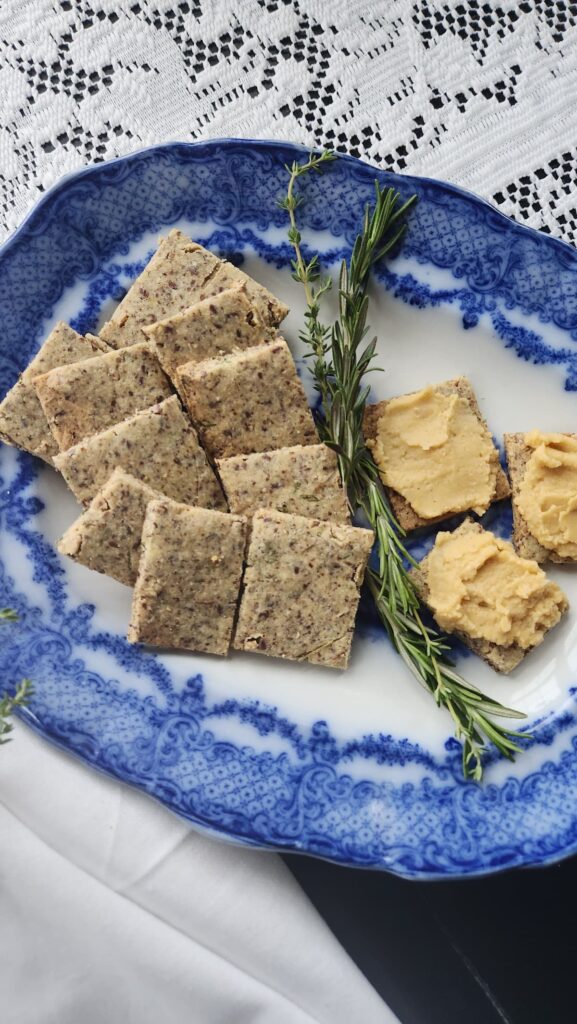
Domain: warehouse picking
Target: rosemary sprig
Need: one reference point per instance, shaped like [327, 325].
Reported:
[23, 691]
[7, 705]
[339, 362]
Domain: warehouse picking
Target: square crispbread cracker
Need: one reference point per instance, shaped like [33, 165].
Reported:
[213, 327]
[159, 446]
[85, 398]
[189, 578]
[406, 516]
[271, 309]
[249, 401]
[303, 479]
[501, 658]
[22, 421]
[526, 545]
[301, 588]
[106, 537]
[171, 281]
[179, 274]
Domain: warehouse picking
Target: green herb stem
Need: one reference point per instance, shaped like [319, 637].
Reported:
[20, 697]
[7, 706]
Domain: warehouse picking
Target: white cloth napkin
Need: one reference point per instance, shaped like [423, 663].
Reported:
[113, 911]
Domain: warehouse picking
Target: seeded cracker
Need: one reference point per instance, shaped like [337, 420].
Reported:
[300, 479]
[22, 421]
[179, 274]
[106, 537]
[171, 281]
[158, 446]
[301, 588]
[189, 578]
[85, 398]
[271, 309]
[249, 401]
[224, 323]
[406, 516]
[526, 545]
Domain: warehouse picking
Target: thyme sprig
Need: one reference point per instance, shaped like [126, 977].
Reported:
[340, 358]
[20, 698]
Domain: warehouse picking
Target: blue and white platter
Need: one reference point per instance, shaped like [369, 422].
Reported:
[356, 767]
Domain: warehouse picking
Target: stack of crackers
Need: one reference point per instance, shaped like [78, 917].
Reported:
[184, 431]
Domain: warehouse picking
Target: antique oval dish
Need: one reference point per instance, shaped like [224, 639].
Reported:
[356, 767]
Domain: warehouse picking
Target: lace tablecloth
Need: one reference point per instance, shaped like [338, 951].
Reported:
[479, 93]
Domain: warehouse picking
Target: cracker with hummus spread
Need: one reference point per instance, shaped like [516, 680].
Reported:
[189, 578]
[158, 446]
[543, 467]
[303, 479]
[106, 537]
[84, 398]
[301, 588]
[249, 401]
[22, 420]
[497, 603]
[223, 323]
[435, 454]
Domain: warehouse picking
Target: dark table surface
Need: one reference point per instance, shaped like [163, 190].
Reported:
[495, 950]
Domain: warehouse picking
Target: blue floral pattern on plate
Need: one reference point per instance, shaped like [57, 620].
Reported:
[278, 779]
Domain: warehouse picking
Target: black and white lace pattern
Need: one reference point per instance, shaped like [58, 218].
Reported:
[479, 93]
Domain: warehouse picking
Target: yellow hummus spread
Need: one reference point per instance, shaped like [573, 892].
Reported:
[480, 587]
[547, 497]
[434, 450]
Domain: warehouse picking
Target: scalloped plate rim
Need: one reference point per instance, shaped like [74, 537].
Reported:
[458, 190]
